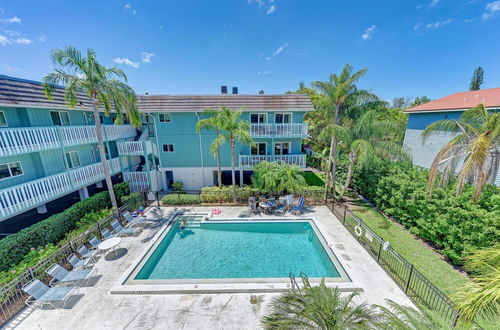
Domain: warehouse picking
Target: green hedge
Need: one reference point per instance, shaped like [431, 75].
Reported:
[454, 224]
[181, 199]
[51, 230]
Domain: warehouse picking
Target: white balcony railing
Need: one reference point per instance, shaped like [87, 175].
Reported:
[137, 148]
[20, 198]
[21, 140]
[249, 161]
[278, 130]
[138, 181]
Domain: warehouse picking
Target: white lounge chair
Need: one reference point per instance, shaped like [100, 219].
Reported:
[121, 231]
[107, 234]
[78, 263]
[135, 221]
[42, 294]
[85, 253]
[63, 277]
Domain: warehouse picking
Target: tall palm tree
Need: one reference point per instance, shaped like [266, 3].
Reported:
[106, 88]
[317, 307]
[476, 139]
[370, 139]
[339, 92]
[213, 122]
[233, 128]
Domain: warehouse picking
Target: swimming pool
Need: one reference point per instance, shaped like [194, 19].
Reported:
[238, 250]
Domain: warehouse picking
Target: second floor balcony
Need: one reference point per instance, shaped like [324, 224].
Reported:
[278, 130]
[14, 141]
[135, 148]
[249, 161]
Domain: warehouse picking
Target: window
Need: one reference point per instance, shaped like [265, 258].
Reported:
[168, 147]
[282, 148]
[73, 159]
[283, 118]
[3, 120]
[60, 118]
[165, 118]
[258, 148]
[101, 119]
[10, 169]
[97, 156]
[258, 118]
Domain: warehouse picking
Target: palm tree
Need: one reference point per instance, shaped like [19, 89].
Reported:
[105, 87]
[339, 92]
[370, 139]
[213, 122]
[233, 129]
[290, 178]
[317, 307]
[477, 134]
[265, 176]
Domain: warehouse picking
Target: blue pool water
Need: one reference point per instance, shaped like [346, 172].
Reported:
[239, 250]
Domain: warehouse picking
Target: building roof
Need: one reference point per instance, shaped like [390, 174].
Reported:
[28, 93]
[490, 98]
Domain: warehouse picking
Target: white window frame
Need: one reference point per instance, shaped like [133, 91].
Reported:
[10, 171]
[264, 143]
[259, 114]
[168, 144]
[164, 116]
[284, 113]
[67, 163]
[6, 124]
[60, 119]
[281, 149]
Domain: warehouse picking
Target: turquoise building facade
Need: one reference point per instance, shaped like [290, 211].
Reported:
[48, 150]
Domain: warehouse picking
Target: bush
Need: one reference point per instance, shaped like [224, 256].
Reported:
[455, 224]
[53, 229]
[225, 194]
[181, 199]
[178, 186]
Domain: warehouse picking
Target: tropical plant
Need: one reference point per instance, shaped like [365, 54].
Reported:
[339, 93]
[477, 79]
[105, 87]
[476, 137]
[178, 186]
[213, 122]
[233, 128]
[480, 298]
[317, 307]
[273, 177]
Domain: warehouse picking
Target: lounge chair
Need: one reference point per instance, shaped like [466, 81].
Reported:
[106, 233]
[134, 221]
[299, 208]
[78, 263]
[289, 202]
[122, 231]
[94, 242]
[85, 253]
[62, 276]
[42, 294]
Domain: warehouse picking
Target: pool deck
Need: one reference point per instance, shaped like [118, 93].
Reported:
[95, 307]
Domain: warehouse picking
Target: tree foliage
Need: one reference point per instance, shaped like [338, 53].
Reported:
[273, 177]
[477, 79]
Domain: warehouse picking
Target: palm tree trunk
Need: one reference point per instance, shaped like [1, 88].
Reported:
[102, 154]
[350, 171]
[219, 170]
[233, 174]
[329, 166]
[334, 150]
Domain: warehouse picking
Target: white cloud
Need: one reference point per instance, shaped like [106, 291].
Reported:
[146, 57]
[277, 51]
[259, 3]
[438, 24]
[11, 33]
[42, 38]
[14, 19]
[126, 61]
[417, 26]
[23, 41]
[430, 5]
[367, 35]
[264, 72]
[134, 12]
[4, 41]
[271, 9]
[127, 6]
[434, 2]
[491, 9]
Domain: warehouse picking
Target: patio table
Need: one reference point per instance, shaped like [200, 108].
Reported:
[110, 244]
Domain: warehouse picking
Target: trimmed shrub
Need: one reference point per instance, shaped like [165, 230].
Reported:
[53, 229]
[181, 199]
[225, 194]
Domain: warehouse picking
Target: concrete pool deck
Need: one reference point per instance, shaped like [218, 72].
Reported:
[97, 308]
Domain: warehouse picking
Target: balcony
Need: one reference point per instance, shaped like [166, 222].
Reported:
[278, 130]
[14, 141]
[135, 148]
[249, 161]
[20, 198]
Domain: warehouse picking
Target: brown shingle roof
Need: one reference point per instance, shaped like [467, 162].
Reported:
[490, 98]
[27, 93]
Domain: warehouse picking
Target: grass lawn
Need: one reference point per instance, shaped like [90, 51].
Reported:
[428, 262]
[313, 179]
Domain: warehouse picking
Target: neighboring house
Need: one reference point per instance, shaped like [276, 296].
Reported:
[48, 150]
[449, 107]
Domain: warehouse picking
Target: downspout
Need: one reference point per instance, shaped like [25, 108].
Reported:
[201, 154]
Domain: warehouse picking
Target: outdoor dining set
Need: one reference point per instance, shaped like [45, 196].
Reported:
[278, 206]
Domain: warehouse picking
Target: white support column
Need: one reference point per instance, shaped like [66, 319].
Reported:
[99, 184]
[84, 193]
[42, 209]
[241, 178]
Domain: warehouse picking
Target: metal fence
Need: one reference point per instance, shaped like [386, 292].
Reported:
[416, 286]
[12, 297]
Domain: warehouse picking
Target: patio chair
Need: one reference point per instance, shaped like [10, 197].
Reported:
[107, 234]
[134, 221]
[78, 263]
[85, 253]
[63, 277]
[94, 242]
[289, 202]
[42, 294]
[122, 231]
[299, 208]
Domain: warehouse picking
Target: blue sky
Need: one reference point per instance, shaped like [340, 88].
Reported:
[410, 47]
